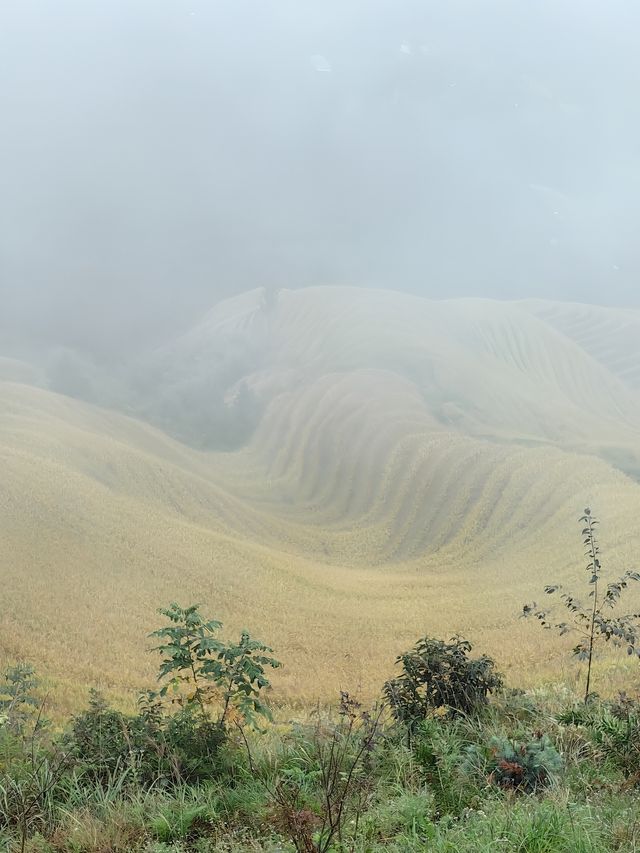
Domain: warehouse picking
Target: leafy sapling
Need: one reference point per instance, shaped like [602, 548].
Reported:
[594, 623]
[18, 700]
[204, 672]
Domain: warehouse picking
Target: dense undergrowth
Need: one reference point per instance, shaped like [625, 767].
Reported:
[448, 760]
[437, 790]
[473, 767]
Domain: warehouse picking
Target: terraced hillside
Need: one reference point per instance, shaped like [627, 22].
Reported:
[413, 467]
[495, 370]
[609, 335]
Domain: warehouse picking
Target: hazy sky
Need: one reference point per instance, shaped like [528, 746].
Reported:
[155, 156]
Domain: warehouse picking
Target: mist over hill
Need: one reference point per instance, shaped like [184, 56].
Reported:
[320, 328]
[322, 457]
[529, 372]
[160, 156]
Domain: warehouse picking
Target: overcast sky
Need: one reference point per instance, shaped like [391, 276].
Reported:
[156, 156]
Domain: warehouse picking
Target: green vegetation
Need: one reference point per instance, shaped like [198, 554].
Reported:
[17, 696]
[211, 670]
[519, 766]
[438, 676]
[458, 763]
[593, 623]
[395, 462]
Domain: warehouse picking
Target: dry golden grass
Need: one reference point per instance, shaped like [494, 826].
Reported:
[420, 469]
[97, 533]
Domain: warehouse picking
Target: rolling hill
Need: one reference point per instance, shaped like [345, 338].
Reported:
[409, 466]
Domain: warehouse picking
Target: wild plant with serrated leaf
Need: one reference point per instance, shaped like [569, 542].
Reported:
[202, 671]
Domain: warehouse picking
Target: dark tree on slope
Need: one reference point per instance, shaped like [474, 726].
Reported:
[441, 677]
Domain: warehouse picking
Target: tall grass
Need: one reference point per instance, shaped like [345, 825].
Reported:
[419, 799]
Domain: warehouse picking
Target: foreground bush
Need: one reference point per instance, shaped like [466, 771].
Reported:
[318, 799]
[151, 747]
[191, 771]
[18, 701]
[446, 791]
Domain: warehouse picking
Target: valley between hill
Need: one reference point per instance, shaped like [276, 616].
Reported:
[412, 467]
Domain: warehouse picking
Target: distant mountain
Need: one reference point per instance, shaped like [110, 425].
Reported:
[567, 375]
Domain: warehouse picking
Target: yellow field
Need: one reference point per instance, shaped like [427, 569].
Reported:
[420, 468]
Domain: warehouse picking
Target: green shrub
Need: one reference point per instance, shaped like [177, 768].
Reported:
[614, 727]
[151, 746]
[438, 676]
[593, 622]
[18, 700]
[101, 739]
[518, 766]
[193, 745]
[320, 799]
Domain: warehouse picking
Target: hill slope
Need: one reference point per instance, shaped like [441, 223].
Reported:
[482, 368]
[415, 467]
